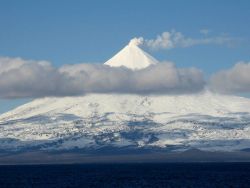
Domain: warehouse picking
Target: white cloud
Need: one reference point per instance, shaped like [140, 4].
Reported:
[233, 80]
[205, 31]
[173, 39]
[22, 78]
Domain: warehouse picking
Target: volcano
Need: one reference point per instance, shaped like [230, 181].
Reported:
[115, 122]
[132, 57]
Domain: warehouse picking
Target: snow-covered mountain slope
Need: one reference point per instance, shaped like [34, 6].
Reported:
[132, 57]
[206, 121]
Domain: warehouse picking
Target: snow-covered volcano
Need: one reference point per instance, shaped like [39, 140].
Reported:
[203, 120]
[132, 57]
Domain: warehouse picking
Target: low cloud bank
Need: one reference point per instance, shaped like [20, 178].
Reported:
[233, 80]
[23, 78]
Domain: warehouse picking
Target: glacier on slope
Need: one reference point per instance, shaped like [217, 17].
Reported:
[205, 121]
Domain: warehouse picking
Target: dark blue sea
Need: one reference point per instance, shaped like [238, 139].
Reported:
[127, 175]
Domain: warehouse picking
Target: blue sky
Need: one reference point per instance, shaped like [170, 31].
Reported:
[69, 32]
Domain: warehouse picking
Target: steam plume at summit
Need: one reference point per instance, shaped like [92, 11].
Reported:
[173, 39]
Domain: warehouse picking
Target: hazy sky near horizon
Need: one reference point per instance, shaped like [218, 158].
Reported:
[69, 32]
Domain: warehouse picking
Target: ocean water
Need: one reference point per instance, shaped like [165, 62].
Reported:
[127, 175]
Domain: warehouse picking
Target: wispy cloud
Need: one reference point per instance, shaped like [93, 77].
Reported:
[205, 31]
[22, 78]
[174, 39]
